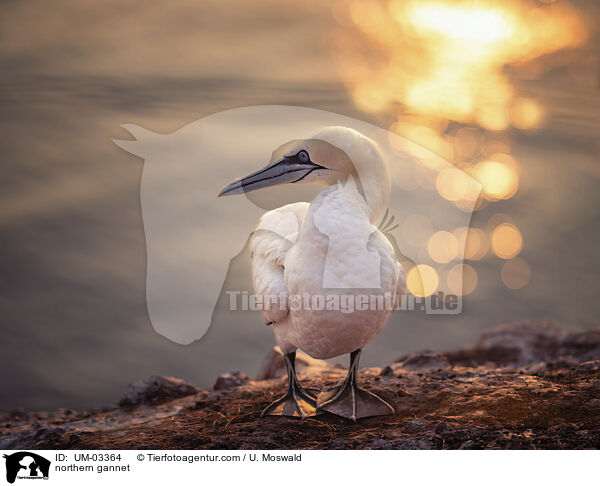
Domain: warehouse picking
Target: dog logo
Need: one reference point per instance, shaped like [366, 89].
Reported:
[26, 465]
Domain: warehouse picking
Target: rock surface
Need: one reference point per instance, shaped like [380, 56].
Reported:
[231, 380]
[156, 389]
[522, 386]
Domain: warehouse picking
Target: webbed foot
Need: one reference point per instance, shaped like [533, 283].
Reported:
[351, 401]
[297, 402]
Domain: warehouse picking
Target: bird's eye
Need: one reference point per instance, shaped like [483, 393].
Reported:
[303, 156]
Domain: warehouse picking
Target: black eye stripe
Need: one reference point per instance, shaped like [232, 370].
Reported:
[304, 161]
[301, 156]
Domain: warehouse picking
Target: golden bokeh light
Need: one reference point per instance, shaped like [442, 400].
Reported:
[496, 146]
[446, 59]
[469, 142]
[429, 140]
[455, 185]
[443, 71]
[442, 247]
[460, 234]
[462, 279]
[506, 241]
[516, 273]
[474, 241]
[477, 244]
[470, 206]
[422, 280]
[460, 23]
[525, 114]
[499, 178]
[496, 220]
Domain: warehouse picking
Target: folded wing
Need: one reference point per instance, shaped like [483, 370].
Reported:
[275, 234]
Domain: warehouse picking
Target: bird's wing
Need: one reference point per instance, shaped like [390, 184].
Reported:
[392, 273]
[401, 286]
[275, 234]
[386, 227]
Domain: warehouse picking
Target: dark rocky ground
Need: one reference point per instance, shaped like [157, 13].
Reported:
[522, 386]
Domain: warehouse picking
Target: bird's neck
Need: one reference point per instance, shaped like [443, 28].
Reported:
[372, 189]
[376, 190]
[367, 197]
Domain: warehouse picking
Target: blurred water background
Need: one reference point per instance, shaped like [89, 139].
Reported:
[507, 91]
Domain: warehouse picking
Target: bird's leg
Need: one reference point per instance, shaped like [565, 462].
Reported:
[297, 402]
[351, 401]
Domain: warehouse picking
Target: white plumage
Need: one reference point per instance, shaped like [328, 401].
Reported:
[290, 252]
[294, 262]
[328, 248]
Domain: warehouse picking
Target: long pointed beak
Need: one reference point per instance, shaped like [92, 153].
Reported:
[288, 169]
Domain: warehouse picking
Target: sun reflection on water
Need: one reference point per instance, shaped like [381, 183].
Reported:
[446, 59]
[439, 69]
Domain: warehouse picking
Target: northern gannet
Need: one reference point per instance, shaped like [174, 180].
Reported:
[329, 247]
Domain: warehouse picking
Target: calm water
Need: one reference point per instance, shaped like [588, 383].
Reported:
[74, 323]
